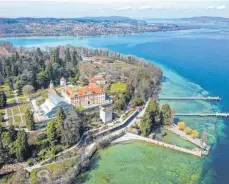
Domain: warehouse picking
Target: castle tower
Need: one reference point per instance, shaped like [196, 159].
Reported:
[51, 85]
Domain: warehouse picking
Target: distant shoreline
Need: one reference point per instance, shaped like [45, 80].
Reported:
[83, 27]
[89, 36]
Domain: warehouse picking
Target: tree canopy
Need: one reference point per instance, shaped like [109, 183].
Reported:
[150, 118]
[30, 123]
[3, 99]
[21, 146]
[72, 129]
[166, 115]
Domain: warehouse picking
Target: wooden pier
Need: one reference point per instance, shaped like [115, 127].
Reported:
[218, 115]
[210, 98]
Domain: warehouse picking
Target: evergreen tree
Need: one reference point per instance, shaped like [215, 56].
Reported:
[150, 118]
[39, 53]
[2, 159]
[49, 71]
[19, 88]
[1, 130]
[12, 133]
[154, 110]
[72, 129]
[60, 117]
[1, 148]
[3, 99]
[55, 57]
[67, 56]
[166, 115]
[74, 58]
[30, 123]
[21, 146]
[51, 130]
[10, 83]
[17, 56]
[145, 125]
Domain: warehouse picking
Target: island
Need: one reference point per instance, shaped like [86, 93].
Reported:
[59, 105]
[86, 26]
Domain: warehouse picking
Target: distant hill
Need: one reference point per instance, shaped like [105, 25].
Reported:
[108, 19]
[85, 26]
[206, 19]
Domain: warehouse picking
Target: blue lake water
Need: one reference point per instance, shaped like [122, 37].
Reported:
[194, 62]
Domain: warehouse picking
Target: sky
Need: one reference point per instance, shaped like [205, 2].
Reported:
[131, 8]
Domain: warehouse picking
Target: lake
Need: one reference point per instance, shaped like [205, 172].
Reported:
[194, 63]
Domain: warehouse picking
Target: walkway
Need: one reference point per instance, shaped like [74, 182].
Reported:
[6, 117]
[99, 135]
[218, 115]
[129, 136]
[190, 98]
[173, 128]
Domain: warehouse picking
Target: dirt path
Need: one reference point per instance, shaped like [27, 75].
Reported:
[43, 176]
[6, 117]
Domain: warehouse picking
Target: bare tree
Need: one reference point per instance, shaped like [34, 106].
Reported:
[28, 90]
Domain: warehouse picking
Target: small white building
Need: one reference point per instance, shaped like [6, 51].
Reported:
[105, 115]
[98, 80]
[63, 81]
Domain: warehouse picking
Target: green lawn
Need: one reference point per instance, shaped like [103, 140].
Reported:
[11, 101]
[9, 112]
[2, 111]
[120, 64]
[15, 110]
[5, 87]
[10, 120]
[80, 108]
[40, 101]
[3, 124]
[17, 120]
[23, 117]
[118, 87]
[56, 169]
[24, 107]
[22, 99]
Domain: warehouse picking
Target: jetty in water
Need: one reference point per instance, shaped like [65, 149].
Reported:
[130, 136]
[210, 98]
[218, 115]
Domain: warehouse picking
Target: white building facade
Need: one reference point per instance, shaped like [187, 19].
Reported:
[105, 115]
[63, 81]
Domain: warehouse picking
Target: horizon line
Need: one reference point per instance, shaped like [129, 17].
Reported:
[54, 17]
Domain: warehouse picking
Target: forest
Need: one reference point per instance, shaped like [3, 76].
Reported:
[37, 67]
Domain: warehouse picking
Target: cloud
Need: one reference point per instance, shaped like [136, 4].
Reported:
[124, 8]
[221, 7]
[211, 7]
[146, 8]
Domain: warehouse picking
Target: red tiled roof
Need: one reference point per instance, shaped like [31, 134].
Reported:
[96, 78]
[96, 58]
[91, 87]
[3, 51]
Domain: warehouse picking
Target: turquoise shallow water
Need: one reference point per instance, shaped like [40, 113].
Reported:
[195, 63]
[140, 163]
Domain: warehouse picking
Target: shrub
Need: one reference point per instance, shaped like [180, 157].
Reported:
[31, 161]
[187, 130]
[194, 134]
[181, 125]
